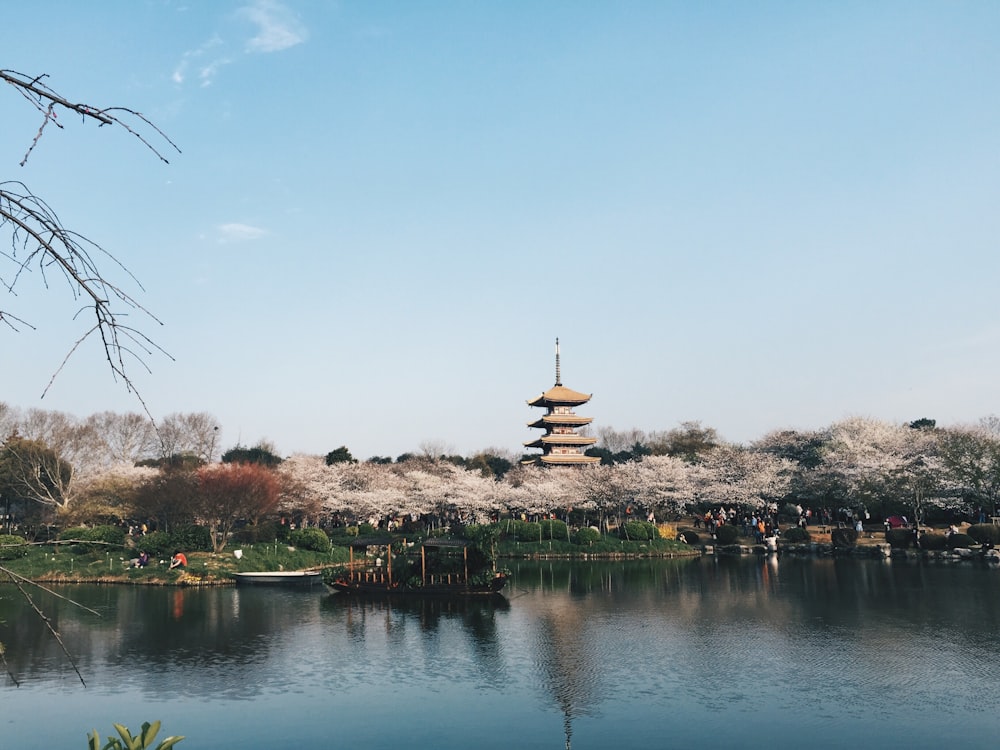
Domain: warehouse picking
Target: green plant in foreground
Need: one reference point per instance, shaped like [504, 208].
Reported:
[141, 741]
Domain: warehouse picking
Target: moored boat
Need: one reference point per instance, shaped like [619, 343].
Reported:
[291, 578]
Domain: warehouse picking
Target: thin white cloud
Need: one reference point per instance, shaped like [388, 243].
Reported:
[239, 233]
[207, 73]
[194, 58]
[278, 27]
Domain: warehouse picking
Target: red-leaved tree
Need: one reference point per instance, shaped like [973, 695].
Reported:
[229, 493]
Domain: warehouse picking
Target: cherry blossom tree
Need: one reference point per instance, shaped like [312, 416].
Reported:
[610, 489]
[307, 486]
[736, 476]
[880, 464]
[665, 485]
[372, 491]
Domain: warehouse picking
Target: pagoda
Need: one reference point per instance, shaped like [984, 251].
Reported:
[561, 444]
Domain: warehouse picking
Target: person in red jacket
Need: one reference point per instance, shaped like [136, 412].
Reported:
[179, 560]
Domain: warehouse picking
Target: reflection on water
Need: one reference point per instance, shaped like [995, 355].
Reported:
[723, 652]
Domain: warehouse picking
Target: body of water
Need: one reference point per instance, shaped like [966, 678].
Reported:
[713, 652]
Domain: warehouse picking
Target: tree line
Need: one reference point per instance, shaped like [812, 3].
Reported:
[109, 468]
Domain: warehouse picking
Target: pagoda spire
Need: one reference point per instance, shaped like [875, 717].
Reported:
[558, 378]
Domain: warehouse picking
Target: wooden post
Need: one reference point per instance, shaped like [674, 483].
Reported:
[423, 566]
[465, 560]
[389, 554]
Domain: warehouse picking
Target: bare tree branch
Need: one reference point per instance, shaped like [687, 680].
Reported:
[46, 101]
[41, 243]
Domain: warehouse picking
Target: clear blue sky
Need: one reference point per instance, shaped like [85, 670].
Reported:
[756, 215]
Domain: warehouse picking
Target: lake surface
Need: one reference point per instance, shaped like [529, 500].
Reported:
[711, 652]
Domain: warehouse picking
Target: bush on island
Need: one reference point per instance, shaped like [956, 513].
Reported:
[933, 541]
[527, 531]
[554, 529]
[311, 538]
[960, 541]
[796, 535]
[265, 531]
[639, 531]
[843, 538]
[12, 546]
[192, 538]
[982, 532]
[726, 534]
[156, 544]
[586, 536]
[899, 538]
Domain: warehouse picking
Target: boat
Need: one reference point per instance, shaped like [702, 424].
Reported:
[290, 578]
[442, 570]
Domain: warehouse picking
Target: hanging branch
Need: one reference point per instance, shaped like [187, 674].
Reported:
[40, 242]
[46, 101]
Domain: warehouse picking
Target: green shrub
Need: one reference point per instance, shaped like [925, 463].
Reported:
[689, 537]
[843, 538]
[796, 535]
[554, 529]
[311, 538]
[192, 538]
[956, 541]
[156, 543]
[12, 547]
[586, 536]
[76, 532]
[933, 541]
[899, 538]
[108, 535]
[265, 531]
[527, 531]
[982, 532]
[639, 530]
[365, 529]
[727, 534]
[484, 537]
